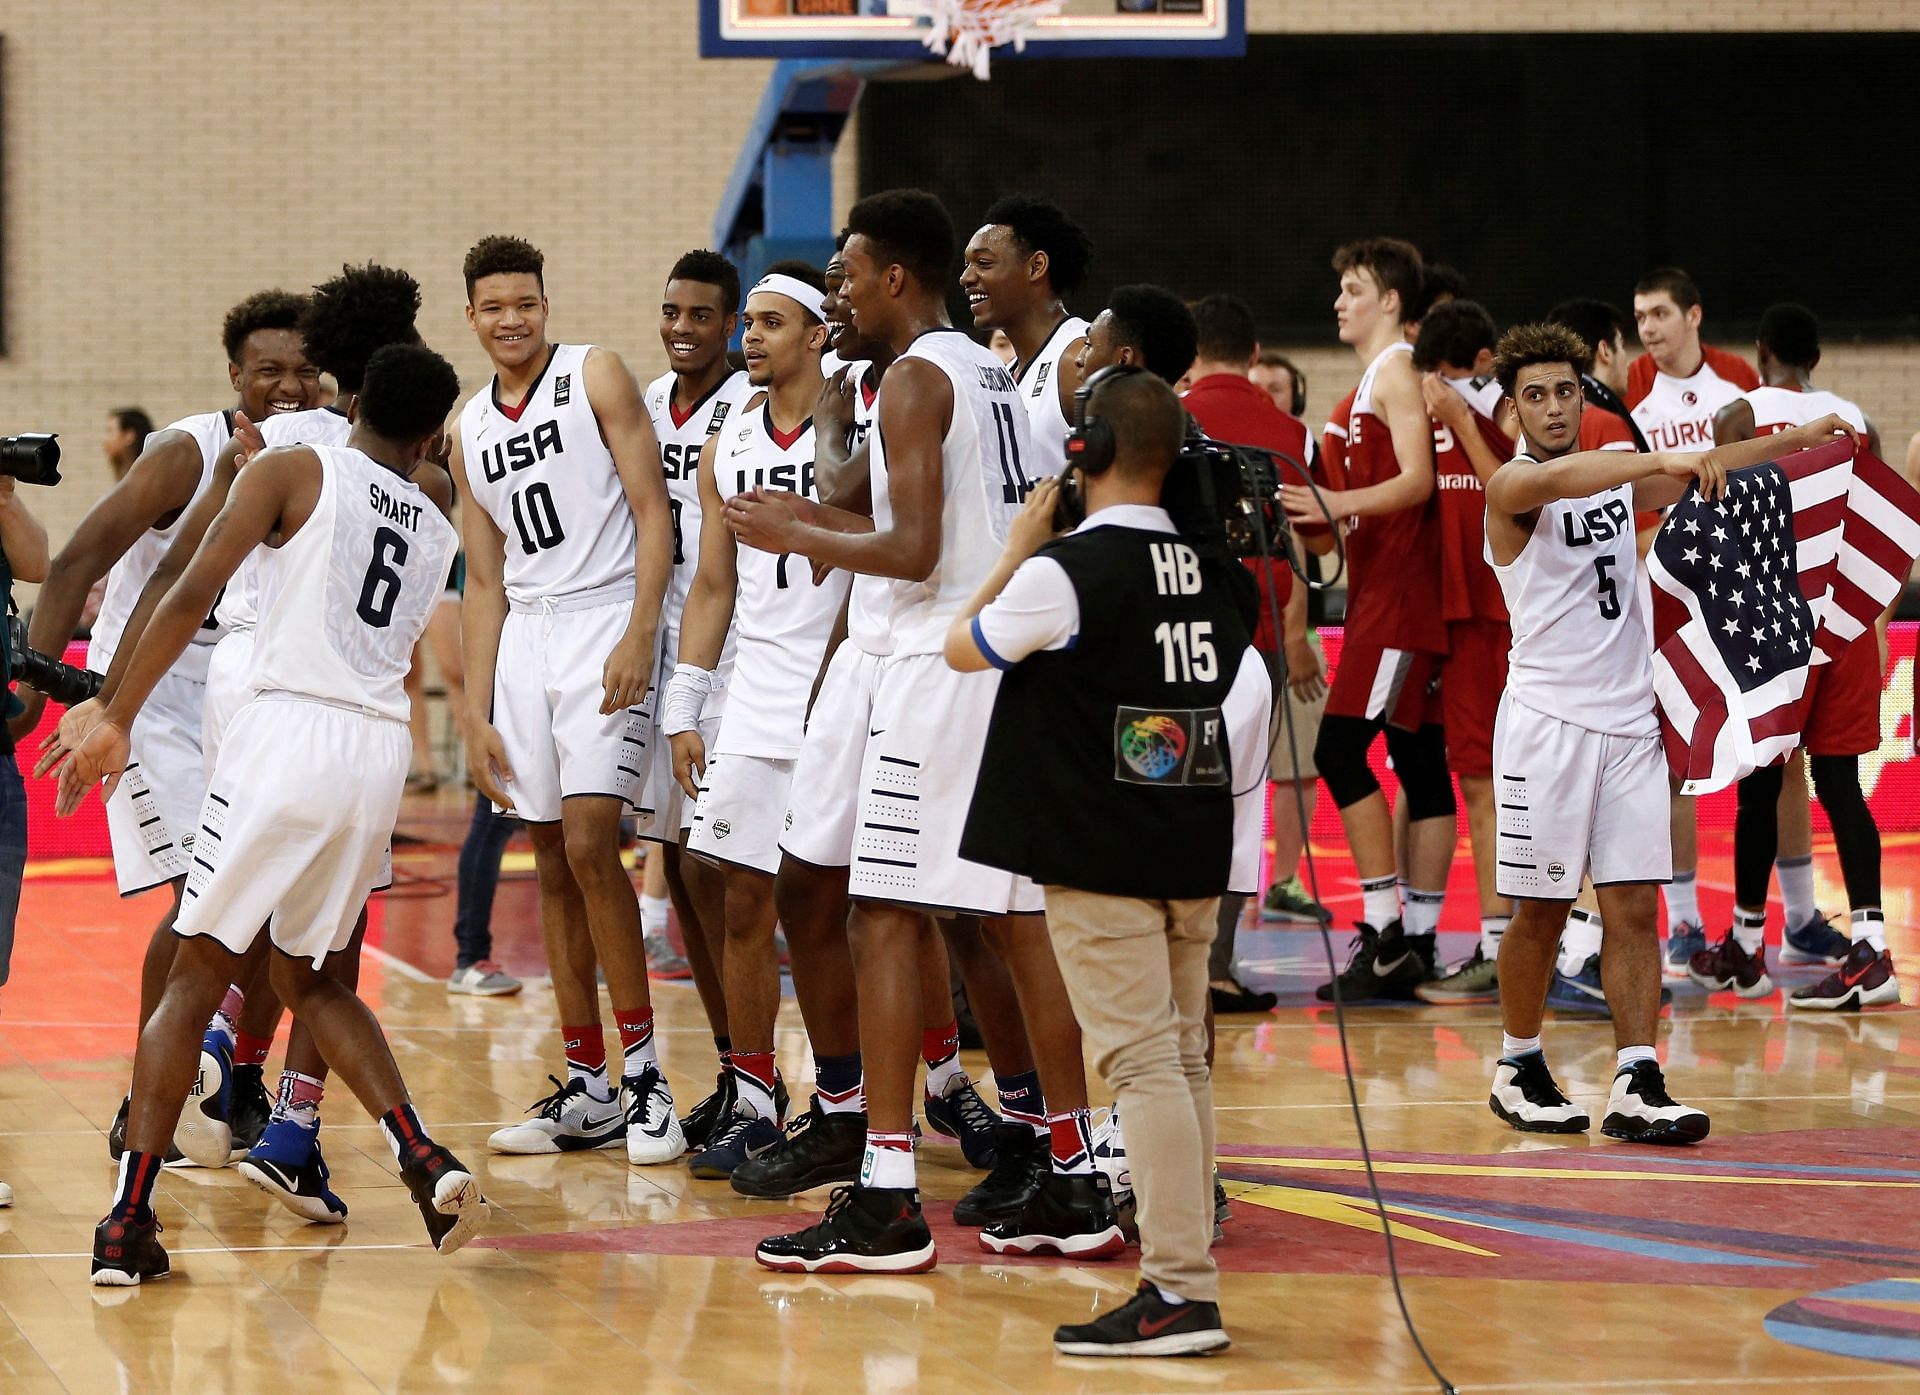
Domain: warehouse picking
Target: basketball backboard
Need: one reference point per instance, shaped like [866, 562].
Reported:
[894, 29]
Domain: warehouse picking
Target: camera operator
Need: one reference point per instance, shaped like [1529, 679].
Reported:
[23, 557]
[1108, 777]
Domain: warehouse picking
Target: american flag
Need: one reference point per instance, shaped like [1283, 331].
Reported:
[1792, 564]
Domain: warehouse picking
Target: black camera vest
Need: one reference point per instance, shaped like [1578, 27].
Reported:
[1106, 766]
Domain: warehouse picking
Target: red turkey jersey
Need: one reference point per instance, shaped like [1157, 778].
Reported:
[1468, 588]
[1393, 559]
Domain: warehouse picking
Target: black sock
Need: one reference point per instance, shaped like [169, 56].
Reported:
[406, 1135]
[133, 1197]
[724, 1046]
[1021, 1100]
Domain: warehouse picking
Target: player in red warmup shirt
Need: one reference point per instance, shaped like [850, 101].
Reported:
[1841, 724]
[1454, 353]
[1395, 636]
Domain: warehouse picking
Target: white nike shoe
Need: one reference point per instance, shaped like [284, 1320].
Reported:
[653, 1129]
[1110, 1151]
[567, 1121]
[1526, 1096]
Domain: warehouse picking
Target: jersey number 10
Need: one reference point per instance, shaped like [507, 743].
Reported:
[536, 520]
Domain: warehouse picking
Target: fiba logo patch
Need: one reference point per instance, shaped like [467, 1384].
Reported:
[1040, 378]
[721, 828]
[1556, 870]
[1153, 746]
[563, 389]
[719, 415]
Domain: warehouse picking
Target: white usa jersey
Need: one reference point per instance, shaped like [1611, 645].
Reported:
[1677, 413]
[871, 601]
[546, 479]
[781, 620]
[1777, 409]
[681, 439]
[128, 577]
[345, 599]
[983, 479]
[1039, 383]
[322, 426]
[1581, 651]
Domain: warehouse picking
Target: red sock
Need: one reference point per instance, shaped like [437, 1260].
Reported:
[251, 1050]
[1070, 1133]
[754, 1078]
[939, 1044]
[586, 1056]
[636, 1042]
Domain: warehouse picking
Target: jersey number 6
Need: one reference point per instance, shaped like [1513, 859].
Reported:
[380, 592]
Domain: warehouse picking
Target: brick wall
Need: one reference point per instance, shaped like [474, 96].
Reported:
[163, 162]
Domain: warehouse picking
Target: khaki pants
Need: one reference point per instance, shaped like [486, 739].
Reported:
[1137, 973]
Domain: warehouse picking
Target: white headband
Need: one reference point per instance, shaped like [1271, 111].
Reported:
[810, 300]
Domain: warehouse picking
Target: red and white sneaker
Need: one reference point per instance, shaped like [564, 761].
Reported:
[1866, 979]
[1728, 965]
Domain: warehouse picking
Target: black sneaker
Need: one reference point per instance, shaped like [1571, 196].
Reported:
[1146, 1325]
[700, 1122]
[867, 1230]
[447, 1194]
[1356, 981]
[126, 1253]
[117, 1137]
[745, 1138]
[961, 1114]
[1020, 1164]
[1066, 1215]
[1237, 997]
[252, 1108]
[819, 1149]
[1526, 1096]
[1640, 1111]
[1222, 1211]
[1401, 963]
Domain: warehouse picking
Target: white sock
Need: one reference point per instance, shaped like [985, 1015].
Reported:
[1683, 901]
[1750, 929]
[1167, 1295]
[888, 1161]
[1579, 941]
[1629, 1055]
[653, 914]
[1422, 915]
[1796, 889]
[1870, 925]
[1519, 1046]
[1492, 927]
[946, 1076]
[1379, 901]
[594, 1079]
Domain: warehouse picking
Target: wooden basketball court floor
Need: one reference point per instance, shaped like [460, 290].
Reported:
[1783, 1254]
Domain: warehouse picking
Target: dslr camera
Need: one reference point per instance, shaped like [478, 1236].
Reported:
[62, 682]
[32, 459]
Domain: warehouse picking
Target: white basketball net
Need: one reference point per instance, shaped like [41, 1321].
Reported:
[968, 31]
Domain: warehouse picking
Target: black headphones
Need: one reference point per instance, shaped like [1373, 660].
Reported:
[1090, 445]
[1299, 390]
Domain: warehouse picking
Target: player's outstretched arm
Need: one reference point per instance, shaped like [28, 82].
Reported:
[628, 431]
[277, 494]
[483, 610]
[159, 485]
[915, 411]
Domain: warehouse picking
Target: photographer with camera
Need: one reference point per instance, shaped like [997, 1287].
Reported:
[1108, 778]
[23, 557]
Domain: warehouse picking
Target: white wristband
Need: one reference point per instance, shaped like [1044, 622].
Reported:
[686, 694]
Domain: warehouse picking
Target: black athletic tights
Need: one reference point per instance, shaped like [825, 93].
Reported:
[1756, 830]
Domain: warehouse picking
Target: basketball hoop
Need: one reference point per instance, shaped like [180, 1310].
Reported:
[968, 31]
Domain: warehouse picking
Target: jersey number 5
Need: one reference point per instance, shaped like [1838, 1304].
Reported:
[1609, 593]
[380, 592]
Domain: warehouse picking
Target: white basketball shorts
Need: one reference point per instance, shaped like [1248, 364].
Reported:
[923, 747]
[297, 819]
[152, 815]
[1574, 802]
[743, 804]
[824, 806]
[546, 704]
